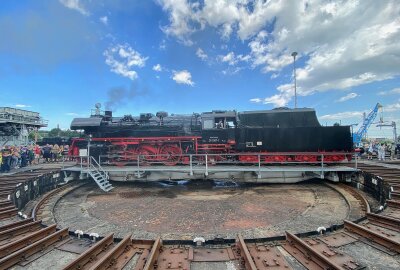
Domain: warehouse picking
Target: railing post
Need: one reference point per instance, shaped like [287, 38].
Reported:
[206, 166]
[191, 165]
[322, 166]
[259, 167]
[138, 166]
[355, 156]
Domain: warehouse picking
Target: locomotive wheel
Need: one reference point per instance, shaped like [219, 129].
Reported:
[334, 158]
[148, 152]
[306, 158]
[171, 154]
[120, 163]
[275, 159]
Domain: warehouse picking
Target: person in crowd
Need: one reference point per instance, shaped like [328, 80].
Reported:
[370, 151]
[38, 153]
[381, 152]
[65, 151]
[392, 149]
[24, 157]
[55, 151]
[15, 158]
[6, 160]
[31, 155]
[60, 152]
[46, 151]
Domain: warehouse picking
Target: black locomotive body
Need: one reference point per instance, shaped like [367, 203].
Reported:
[288, 134]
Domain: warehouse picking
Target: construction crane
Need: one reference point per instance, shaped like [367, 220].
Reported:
[367, 121]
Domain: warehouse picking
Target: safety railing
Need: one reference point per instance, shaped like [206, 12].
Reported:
[194, 161]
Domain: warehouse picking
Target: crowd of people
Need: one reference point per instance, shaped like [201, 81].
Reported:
[14, 157]
[380, 150]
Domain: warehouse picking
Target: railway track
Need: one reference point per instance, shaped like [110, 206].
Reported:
[26, 242]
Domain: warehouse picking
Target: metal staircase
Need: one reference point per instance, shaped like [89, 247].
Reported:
[99, 175]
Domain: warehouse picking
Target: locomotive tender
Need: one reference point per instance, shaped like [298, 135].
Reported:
[278, 135]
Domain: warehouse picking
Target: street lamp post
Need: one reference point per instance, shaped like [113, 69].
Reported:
[294, 54]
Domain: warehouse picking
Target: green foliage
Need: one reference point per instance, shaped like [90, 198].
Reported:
[57, 132]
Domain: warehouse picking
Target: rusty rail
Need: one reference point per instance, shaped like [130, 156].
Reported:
[395, 195]
[393, 204]
[8, 213]
[45, 199]
[112, 258]
[18, 230]
[7, 208]
[152, 258]
[91, 254]
[15, 224]
[245, 254]
[6, 203]
[33, 248]
[372, 235]
[26, 241]
[391, 222]
[320, 259]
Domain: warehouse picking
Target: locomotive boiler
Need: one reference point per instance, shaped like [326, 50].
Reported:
[279, 135]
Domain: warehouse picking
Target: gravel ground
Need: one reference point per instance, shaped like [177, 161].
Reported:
[201, 209]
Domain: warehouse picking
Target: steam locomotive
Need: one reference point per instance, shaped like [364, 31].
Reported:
[278, 135]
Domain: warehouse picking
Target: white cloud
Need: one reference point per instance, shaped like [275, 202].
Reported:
[22, 106]
[256, 100]
[347, 97]
[122, 59]
[229, 58]
[104, 20]
[201, 54]
[342, 115]
[182, 77]
[340, 44]
[76, 5]
[180, 22]
[162, 45]
[232, 59]
[390, 92]
[157, 68]
[392, 107]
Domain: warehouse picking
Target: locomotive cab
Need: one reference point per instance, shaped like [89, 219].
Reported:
[218, 120]
[218, 127]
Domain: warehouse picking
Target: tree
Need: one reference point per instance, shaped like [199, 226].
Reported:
[55, 132]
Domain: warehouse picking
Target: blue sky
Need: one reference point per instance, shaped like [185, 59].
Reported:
[61, 57]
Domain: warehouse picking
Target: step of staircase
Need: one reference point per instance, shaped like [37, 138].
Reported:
[100, 177]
